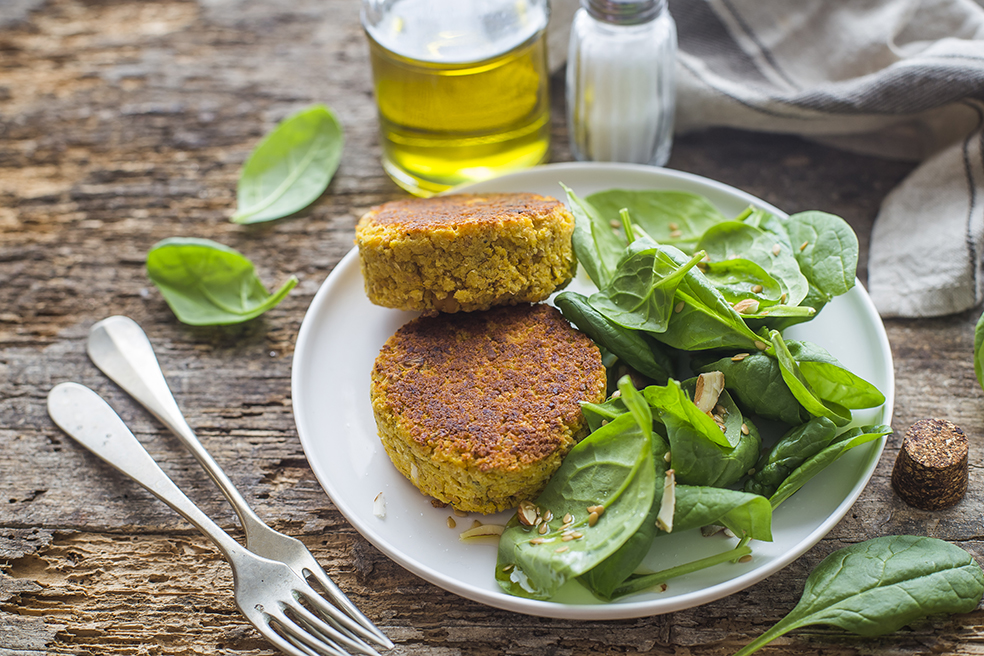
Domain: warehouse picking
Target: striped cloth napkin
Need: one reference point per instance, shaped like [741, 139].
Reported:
[894, 78]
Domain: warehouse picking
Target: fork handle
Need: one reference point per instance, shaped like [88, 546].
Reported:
[121, 349]
[88, 419]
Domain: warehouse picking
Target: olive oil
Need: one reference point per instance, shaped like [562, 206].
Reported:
[460, 105]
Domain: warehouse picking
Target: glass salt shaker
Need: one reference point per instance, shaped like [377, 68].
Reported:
[621, 81]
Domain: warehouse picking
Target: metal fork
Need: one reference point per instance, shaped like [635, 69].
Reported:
[121, 349]
[269, 593]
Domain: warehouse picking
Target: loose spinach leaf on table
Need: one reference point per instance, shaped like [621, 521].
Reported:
[813, 465]
[881, 585]
[612, 467]
[291, 167]
[206, 283]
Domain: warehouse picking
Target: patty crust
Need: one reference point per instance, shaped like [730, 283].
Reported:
[465, 252]
[478, 409]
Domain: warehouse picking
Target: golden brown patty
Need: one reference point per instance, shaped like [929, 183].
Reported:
[479, 409]
[465, 252]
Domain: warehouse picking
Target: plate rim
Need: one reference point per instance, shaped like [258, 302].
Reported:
[348, 265]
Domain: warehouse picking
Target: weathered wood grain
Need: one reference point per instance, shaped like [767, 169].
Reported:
[122, 123]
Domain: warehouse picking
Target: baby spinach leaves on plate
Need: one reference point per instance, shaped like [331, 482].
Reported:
[881, 585]
[291, 167]
[676, 276]
[206, 283]
[619, 467]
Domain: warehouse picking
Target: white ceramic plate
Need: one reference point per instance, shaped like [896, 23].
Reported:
[342, 333]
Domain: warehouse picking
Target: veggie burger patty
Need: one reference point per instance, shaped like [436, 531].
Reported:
[465, 252]
[478, 409]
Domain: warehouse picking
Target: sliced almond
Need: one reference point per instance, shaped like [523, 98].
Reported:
[709, 388]
[483, 531]
[746, 306]
[527, 513]
[664, 519]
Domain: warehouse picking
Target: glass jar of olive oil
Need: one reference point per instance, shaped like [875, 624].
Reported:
[461, 87]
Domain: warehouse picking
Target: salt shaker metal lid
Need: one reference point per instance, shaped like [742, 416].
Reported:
[624, 12]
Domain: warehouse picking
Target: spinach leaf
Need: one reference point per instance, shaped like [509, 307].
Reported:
[881, 585]
[701, 452]
[598, 246]
[801, 388]
[826, 249]
[793, 382]
[206, 283]
[770, 223]
[698, 461]
[979, 350]
[639, 296]
[747, 515]
[815, 464]
[792, 450]
[739, 279]
[640, 583]
[735, 240]
[815, 300]
[669, 217]
[830, 380]
[605, 577]
[755, 381]
[291, 167]
[671, 401]
[599, 414]
[702, 318]
[630, 346]
[612, 467]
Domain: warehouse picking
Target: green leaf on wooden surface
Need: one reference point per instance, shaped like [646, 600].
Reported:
[881, 585]
[207, 284]
[291, 167]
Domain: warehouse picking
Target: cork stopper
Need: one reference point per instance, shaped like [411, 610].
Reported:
[931, 469]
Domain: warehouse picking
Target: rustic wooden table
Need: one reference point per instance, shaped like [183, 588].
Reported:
[122, 123]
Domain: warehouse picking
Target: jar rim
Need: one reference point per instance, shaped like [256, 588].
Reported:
[624, 12]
